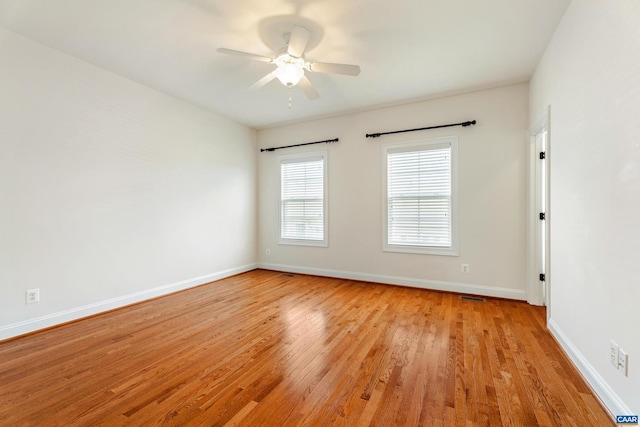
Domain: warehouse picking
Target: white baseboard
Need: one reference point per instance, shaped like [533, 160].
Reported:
[463, 288]
[32, 325]
[609, 398]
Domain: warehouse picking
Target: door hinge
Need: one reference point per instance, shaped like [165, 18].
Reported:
[542, 278]
[543, 155]
[542, 216]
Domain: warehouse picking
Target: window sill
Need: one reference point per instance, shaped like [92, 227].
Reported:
[421, 250]
[314, 243]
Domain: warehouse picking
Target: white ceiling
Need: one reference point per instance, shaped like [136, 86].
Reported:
[407, 49]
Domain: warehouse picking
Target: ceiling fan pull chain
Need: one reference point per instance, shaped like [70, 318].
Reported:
[289, 97]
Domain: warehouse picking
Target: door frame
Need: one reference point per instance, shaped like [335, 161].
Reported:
[535, 294]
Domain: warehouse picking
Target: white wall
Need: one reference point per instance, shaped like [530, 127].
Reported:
[111, 192]
[491, 182]
[590, 76]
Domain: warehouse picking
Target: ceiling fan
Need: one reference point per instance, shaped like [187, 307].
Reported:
[291, 64]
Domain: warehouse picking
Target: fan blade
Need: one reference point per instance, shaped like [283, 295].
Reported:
[298, 41]
[263, 81]
[245, 54]
[308, 88]
[325, 67]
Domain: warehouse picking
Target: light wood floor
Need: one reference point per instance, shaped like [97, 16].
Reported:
[266, 349]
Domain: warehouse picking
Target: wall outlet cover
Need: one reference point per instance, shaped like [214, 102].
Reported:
[613, 353]
[32, 296]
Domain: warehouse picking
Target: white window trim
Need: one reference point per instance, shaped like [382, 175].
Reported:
[449, 251]
[305, 157]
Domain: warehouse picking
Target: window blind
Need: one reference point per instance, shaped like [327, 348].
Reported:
[302, 199]
[419, 196]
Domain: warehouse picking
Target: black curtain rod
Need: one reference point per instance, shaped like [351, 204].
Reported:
[326, 141]
[463, 124]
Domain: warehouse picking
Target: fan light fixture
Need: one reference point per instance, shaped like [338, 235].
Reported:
[291, 65]
[290, 69]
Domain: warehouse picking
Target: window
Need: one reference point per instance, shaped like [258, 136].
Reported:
[303, 207]
[420, 194]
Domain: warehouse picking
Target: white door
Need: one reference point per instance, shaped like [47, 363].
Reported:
[541, 213]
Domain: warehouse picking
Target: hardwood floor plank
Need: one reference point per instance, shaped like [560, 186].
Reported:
[421, 338]
[269, 349]
[239, 417]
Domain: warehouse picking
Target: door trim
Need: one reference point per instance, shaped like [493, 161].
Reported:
[532, 282]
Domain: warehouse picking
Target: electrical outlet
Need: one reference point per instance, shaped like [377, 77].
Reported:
[32, 296]
[623, 362]
[464, 268]
[613, 353]
[268, 251]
